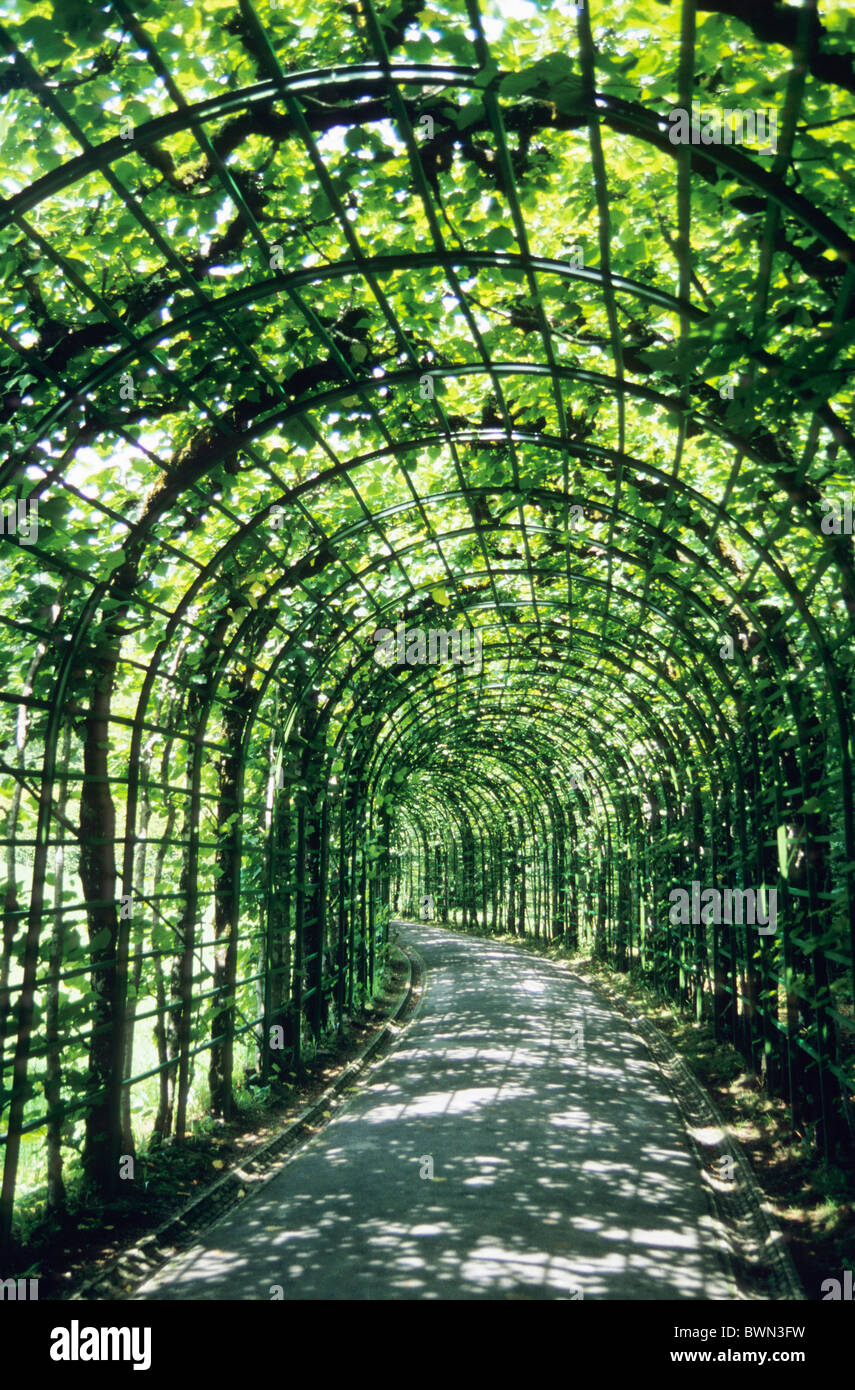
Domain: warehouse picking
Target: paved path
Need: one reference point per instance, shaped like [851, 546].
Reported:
[560, 1165]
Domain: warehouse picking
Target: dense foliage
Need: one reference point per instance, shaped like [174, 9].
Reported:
[325, 317]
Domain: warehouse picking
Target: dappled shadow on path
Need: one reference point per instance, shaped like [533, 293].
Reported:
[560, 1165]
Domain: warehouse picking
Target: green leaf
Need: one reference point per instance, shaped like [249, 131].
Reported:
[500, 239]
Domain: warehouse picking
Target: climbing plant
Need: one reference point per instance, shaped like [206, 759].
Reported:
[326, 328]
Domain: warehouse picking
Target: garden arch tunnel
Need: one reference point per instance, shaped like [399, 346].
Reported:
[324, 322]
